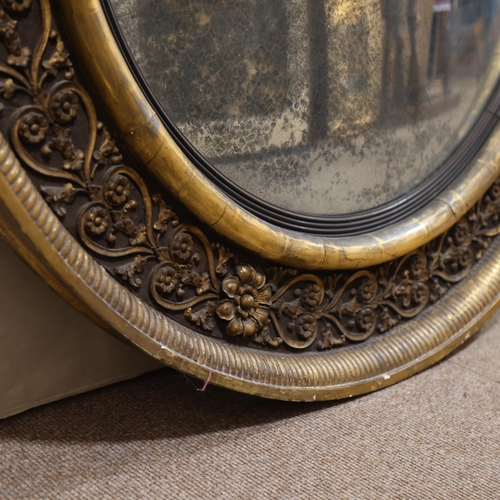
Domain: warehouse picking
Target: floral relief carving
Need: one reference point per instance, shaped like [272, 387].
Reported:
[174, 264]
[247, 308]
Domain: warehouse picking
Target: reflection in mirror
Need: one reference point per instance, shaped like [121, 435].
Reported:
[319, 106]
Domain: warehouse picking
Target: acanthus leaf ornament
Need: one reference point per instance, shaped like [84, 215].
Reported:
[57, 196]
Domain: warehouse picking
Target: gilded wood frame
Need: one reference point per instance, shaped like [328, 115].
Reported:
[32, 221]
[146, 135]
[31, 228]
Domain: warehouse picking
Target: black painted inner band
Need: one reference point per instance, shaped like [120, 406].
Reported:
[323, 225]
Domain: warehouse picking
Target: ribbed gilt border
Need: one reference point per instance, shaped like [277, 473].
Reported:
[310, 376]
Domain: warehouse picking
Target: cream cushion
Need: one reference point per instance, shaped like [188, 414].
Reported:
[48, 350]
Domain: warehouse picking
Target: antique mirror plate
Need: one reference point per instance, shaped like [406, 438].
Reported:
[299, 240]
[324, 108]
[99, 195]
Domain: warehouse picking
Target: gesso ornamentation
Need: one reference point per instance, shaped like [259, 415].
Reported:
[216, 291]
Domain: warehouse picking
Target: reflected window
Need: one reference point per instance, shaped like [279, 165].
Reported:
[322, 106]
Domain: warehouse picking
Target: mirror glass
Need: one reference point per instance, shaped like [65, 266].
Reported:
[318, 106]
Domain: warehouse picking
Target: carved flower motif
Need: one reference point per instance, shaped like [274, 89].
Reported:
[311, 297]
[21, 59]
[494, 190]
[306, 326]
[182, 247]
[96, 220]
[465, 256]
[33, 127]
[419, 292]
[437, 290]
[418, 266]
[17, 5]
[64, 106]
[366, 318]
[117, 189]
[460, 233]
[8, 88]
[367, 291]
[246, 309]
[166, 279]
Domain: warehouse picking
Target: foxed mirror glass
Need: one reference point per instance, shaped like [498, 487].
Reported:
[318, 107]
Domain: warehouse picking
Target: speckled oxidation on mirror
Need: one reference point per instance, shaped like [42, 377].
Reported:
[323, 106]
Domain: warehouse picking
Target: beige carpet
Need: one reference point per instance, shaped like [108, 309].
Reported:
[436, 436]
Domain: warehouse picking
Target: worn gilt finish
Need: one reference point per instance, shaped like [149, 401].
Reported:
[34, 230]
[183, 269]
[147, 137]
[154, 255]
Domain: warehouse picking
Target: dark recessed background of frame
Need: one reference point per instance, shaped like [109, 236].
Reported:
[323, 225]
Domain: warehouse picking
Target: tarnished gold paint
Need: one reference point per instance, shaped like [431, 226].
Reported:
[30, 227]
[150, 141]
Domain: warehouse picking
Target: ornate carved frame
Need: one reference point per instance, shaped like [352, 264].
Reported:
[330, 230]
[84, 213]
[146, 135]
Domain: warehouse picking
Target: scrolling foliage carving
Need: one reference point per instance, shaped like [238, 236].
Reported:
[144, 244]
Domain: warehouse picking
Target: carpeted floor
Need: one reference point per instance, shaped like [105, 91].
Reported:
[436, 435]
